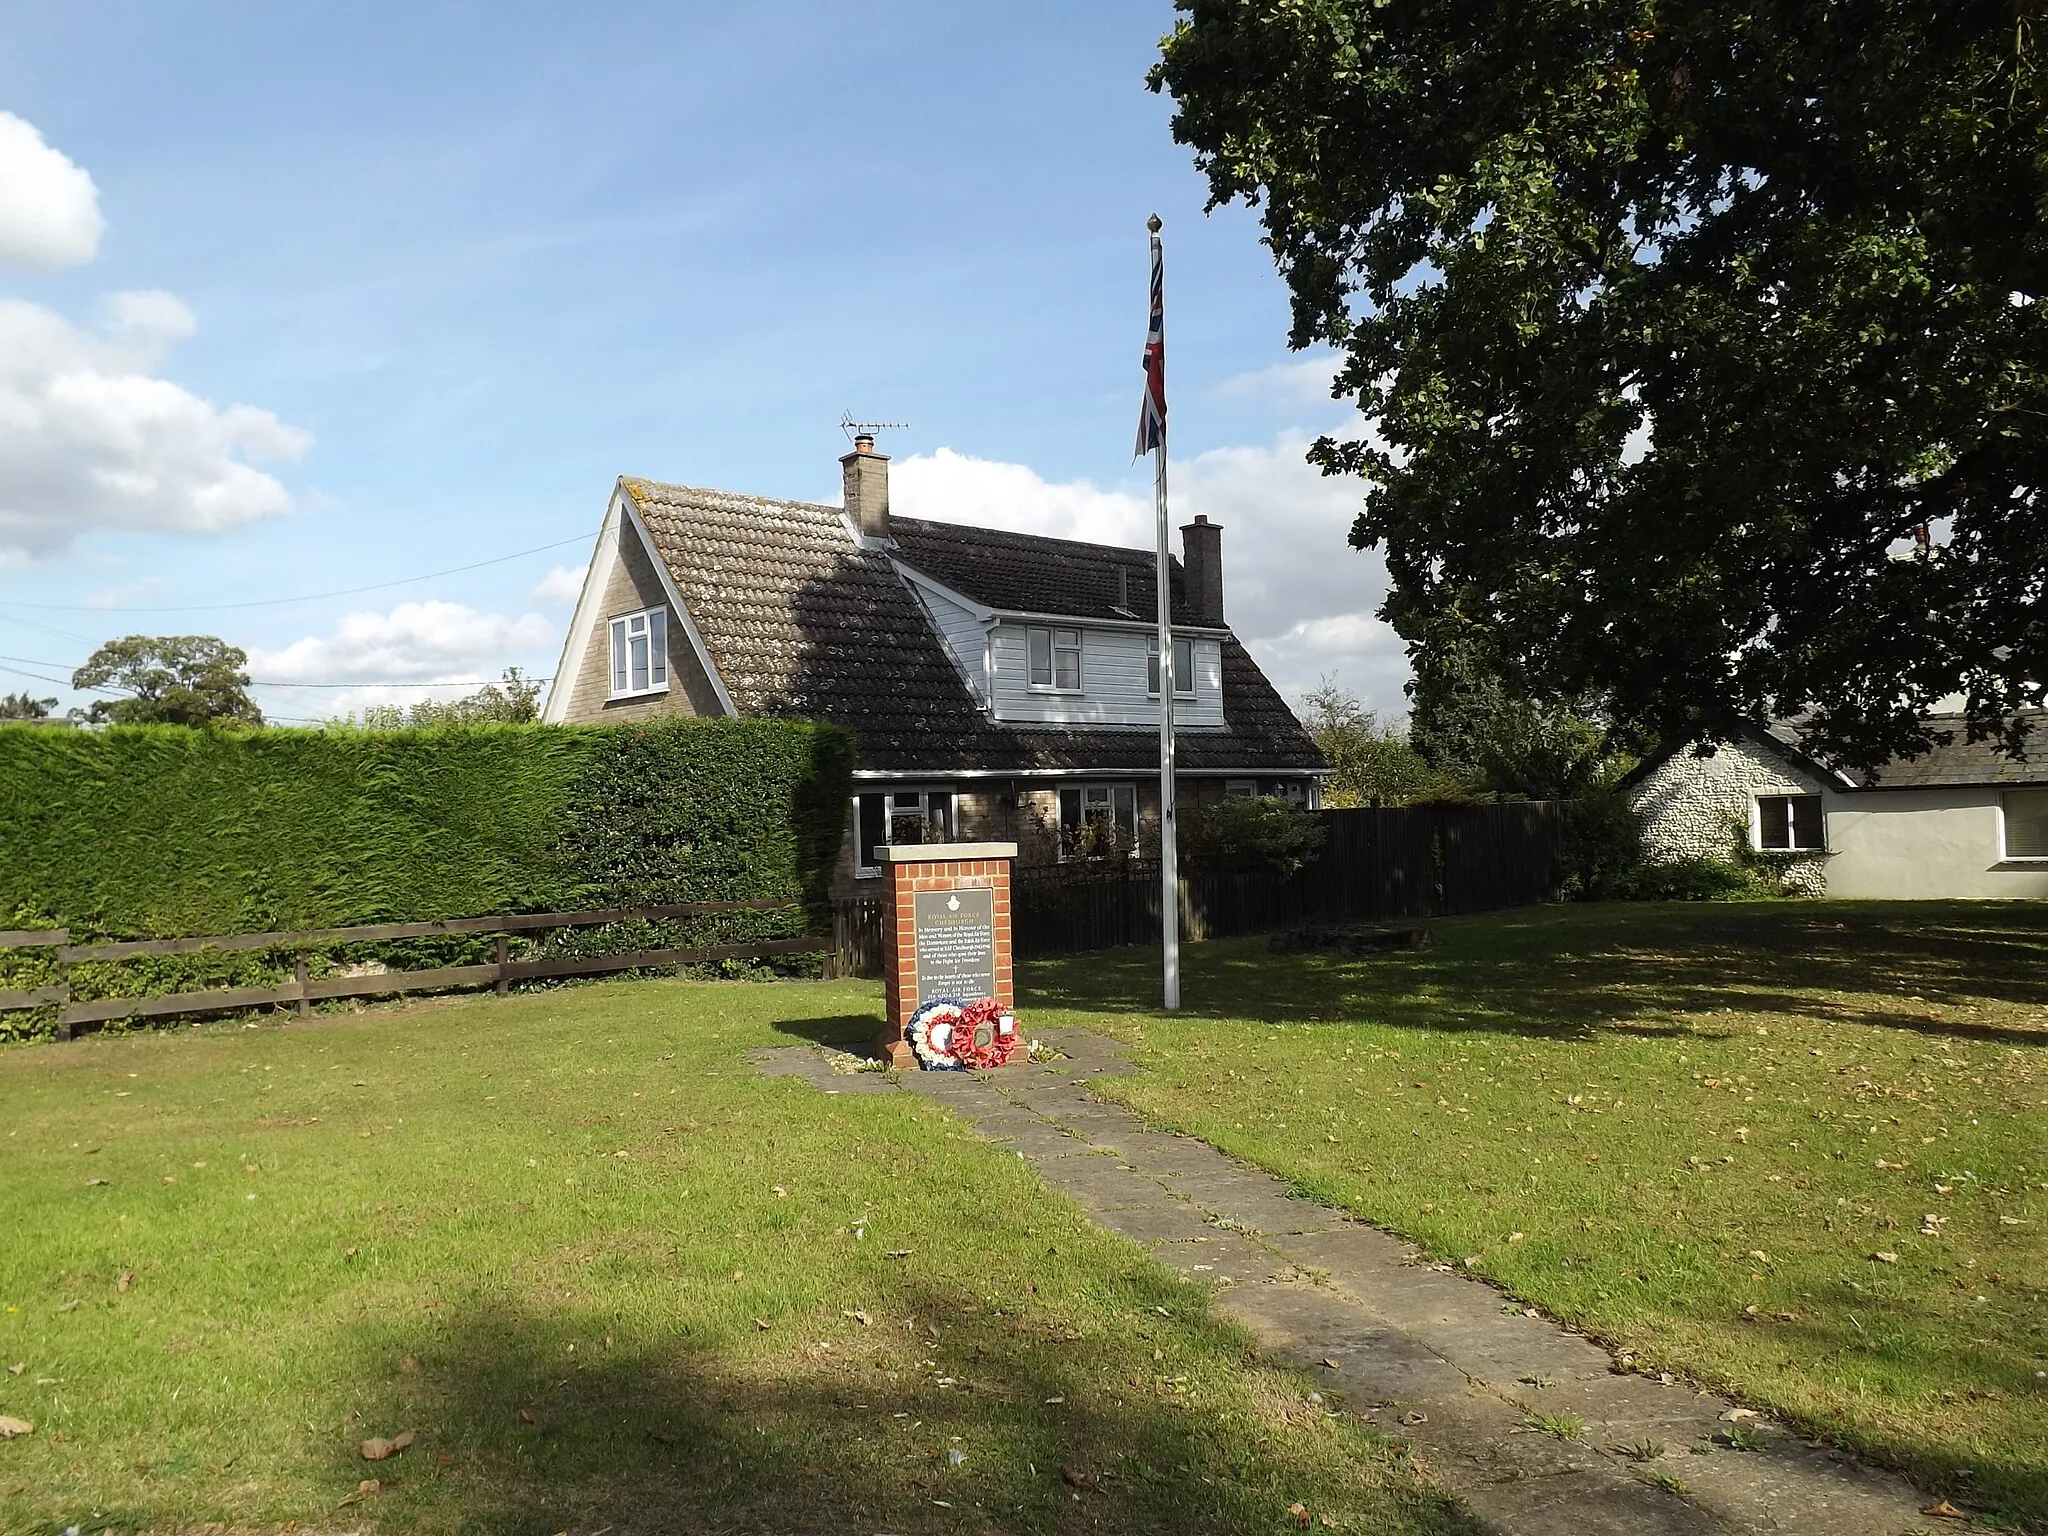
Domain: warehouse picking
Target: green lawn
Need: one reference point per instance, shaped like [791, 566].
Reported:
[1690, 1129]
[612, 1279]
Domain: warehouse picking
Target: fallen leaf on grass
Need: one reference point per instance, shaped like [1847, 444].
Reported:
[1885, 1258]
[1074, 1477]
[384, 1450]
[70, 1306]
[444, 1459]
[9, 1428]
[367, 1486]
[1892, 1167]
[127, 1279]
[97, 1183]
[899, 1253]
[1738, 1415]
[528, 1416]
[1331, 1365]
[1300, 1512]
[1945, 1510]
[761, 1323]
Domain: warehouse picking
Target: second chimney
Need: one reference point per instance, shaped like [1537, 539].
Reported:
[867, 487]
[1201, 558]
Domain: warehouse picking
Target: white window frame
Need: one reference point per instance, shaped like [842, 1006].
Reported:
[1756, 823]
[1058, 643]
[893, 798]
[649, 625]
[2005, 853]
[1240, 789]
[1183, 677]
[1101, 798]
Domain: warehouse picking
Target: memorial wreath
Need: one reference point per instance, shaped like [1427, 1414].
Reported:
[952, 1036]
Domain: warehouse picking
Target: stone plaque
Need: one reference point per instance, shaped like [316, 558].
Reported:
[956, 943]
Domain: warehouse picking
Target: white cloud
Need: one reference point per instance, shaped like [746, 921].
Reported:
[423, 642]
[90, 439]
[1297, 594]
[1302, 382]
[49, 208]
[563, 584]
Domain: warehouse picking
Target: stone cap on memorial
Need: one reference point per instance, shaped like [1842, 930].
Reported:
[945, 853]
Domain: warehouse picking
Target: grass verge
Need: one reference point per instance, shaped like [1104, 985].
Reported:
[608, 1277]
[1795, 1150]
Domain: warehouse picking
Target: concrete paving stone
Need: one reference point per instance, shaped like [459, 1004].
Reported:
[1583, 1504]
[1795, 1488]
[1101, 1188]
[1160, 1222]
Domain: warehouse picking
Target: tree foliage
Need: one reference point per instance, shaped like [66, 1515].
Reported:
[1247, 830]
[513, 700]
[23, 706]
[1371, 761]
[170, 680]
[1470, 726]
[1701, 339]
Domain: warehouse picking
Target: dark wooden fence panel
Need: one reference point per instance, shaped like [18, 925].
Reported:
[1375, 865]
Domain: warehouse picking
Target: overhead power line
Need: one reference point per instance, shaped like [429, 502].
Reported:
[304, 597]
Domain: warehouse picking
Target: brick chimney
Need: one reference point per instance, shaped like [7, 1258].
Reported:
[1201, 559]
[867, 487]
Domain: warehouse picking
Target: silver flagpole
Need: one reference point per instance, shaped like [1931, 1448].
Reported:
[1169, 850]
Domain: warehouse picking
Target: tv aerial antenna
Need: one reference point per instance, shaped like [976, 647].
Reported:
[867, 429]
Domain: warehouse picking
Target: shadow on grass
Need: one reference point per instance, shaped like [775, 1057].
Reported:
[836, 1029]
[528, 1423]
[1564, 971]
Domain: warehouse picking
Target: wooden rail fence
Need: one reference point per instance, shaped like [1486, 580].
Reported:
[304, 990]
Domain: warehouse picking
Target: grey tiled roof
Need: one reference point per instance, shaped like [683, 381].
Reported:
[1967, 762]
[799, 620]
[1026, 573]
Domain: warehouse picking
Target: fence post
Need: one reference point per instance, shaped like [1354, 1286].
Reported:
[299, 976]
[503, 985]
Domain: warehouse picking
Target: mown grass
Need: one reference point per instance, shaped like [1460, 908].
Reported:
[612, 1279]
[1687, 1129]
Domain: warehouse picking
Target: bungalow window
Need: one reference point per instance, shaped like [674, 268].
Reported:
[1183, 668]
[898, 817]
[2024, 813]
[1789, 824]
[1055, 656]
[640, 653]
[1240, 789]
[1098, 819]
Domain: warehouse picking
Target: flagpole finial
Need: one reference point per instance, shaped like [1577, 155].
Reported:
[1155, 224]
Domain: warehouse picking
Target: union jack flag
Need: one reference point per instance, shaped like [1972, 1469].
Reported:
[1152, 414]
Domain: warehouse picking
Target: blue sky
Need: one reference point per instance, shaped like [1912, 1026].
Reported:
[358, 292]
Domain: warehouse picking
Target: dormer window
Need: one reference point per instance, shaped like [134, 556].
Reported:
[640, 653]
[1183, 667]
[1055, 658]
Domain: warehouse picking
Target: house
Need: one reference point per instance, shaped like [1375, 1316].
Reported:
[999, 686]
[1962, 821]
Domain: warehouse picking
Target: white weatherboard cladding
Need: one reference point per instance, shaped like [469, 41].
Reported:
[1113, 679]
[965, 634]
[1696, 807]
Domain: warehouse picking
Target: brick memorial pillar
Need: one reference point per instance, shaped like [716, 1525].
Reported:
[946, 935]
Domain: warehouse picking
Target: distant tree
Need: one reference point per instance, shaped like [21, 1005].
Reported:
[513, 700]
[1472, 725]
[170, 680]
[19, 706]
[1371, 761]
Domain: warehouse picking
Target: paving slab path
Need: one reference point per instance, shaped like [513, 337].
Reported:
[1437, 1357]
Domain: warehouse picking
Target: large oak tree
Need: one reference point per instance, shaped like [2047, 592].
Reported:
[1700, 341]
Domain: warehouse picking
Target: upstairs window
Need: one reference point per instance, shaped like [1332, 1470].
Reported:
[897, 817]
[1055, 656]
[2025, 815]
[640, 653]
[1183, 668]
[1789, 824]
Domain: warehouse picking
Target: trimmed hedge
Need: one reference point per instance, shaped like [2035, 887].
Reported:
[161, 831]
